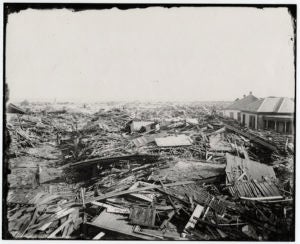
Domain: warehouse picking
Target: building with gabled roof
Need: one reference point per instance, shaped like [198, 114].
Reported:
[271, 113]
[234, 109]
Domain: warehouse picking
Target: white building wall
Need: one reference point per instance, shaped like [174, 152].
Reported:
[247, 119]
[227, 113]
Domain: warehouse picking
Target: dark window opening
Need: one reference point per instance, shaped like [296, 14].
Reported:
[280, 127]
[252, 121]
[271, 125]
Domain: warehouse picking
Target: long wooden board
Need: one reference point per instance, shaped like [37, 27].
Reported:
[120, 193]
[116, 223]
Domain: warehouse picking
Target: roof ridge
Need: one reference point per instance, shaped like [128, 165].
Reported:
[239, 104]
[279, 104]
[264, 100]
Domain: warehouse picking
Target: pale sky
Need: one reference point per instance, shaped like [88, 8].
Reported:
[157, 54]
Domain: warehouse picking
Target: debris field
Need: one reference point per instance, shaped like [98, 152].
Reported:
[132, 171]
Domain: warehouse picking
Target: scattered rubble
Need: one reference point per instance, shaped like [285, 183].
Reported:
[132, 171]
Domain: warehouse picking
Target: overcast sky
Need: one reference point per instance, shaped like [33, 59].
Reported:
[182, 54]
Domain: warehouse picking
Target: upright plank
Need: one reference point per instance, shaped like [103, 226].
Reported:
[192, 222]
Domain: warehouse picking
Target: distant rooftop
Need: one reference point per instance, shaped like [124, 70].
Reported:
[272, 105]
[240, 104]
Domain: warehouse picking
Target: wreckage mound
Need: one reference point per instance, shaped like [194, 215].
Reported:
[143, 172]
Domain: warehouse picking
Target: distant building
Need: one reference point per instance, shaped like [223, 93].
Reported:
[270, 113]
[234, 109]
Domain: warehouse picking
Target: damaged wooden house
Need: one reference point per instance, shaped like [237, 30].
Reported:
[270, 113]
[234, 109]
[248, 179]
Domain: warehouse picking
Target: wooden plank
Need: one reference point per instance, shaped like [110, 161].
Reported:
[113, 222]
[170, 199]
[254, 189]
[234, 191]
[257, 190]
[262, 198]
[231, 191]
[160, 235]
[262, 190]
[252, 138]
[243, 190]
[249, 184]
[60, 214]
[48, 199]
[137, 229]
[142, 216]
[259, 194]
[54, 233]
[32, 220]
[109, 160]
[120, 193]
[250, 190]
[238, 193]
[192, 222]
[266, 190]
[274, 188]
[239, 190]
[166, 208]
[68, 229]
[112, 209]
[241, 176]
[45, 226]
[99, 236]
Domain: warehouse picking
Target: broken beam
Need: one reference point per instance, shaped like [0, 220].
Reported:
[115, 194]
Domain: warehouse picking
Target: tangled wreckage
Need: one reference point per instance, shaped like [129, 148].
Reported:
[164, 172]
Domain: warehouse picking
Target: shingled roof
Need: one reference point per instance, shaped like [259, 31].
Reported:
[254, 106]
[242, 103]
[271, 105]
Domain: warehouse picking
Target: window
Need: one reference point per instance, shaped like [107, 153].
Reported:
[289, 128]
[252, 121]
[244, 119]
[231, 115]
[265, 124]
[271, 124]
[280, 127]
[239, 116]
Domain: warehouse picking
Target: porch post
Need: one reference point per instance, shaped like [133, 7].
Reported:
[256, 122]
[284, 126]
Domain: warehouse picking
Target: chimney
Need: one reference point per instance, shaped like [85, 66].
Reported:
[250, 93]
[244, 96]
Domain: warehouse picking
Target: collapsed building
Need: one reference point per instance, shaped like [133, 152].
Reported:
[85, 172]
